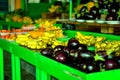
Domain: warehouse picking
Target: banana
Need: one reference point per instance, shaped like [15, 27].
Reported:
[85, 39]
[99, 39]
[108, 46]
[84, 42]
[20, 35]
[97, 45]
[103, 45]
[117, 53]
[88, 37]
[38, 47]
[22, 43]
[33, 46]
[117, 49]
[92, 41]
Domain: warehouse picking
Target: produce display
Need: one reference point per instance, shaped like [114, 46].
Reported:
[38, 40]
[51, 42]
[82, 57]
[94, 10]
[41, 37]
[76, 54]
[100, 42]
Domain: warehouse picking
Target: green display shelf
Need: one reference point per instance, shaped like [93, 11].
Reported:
[46, 67]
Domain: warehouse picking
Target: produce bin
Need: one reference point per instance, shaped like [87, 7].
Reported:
[46, 67]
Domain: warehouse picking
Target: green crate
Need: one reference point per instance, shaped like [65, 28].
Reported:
[64, 72]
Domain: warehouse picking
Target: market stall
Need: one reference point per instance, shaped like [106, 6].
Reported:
[57, 53]
[48, 66]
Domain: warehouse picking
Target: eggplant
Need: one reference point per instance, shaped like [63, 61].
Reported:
[94, 10]
[60, 56]
[89, 16]
[66, 49]
[83, 9]
[86, 56]
[111, 64]
[88, 67]
[115, 5]
[112, 11]
[82, 47]
[58, 48]
[47, 52]
[73, 56]
[111, 17]
[73, 43]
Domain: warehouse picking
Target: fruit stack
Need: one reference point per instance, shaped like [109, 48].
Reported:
[94, 10]
[45, 35]
[76, 54]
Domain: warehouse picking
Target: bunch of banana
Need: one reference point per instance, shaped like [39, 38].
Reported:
[37, 43]
[85, 39]
[22, 38]
[89, 39]
[108, 45]
[48, 38]
[99, 39]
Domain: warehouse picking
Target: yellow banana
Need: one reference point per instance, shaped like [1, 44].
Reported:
[99, 39]
[103, 45]
[115, 45]
[88, 37]
[109, 45]
[117, 49]
[97, 45]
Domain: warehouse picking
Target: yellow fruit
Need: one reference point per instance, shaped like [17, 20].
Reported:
[90, 5]
[97, 45]
[103, 45]
[88, 37]
[99, 39]
[108, 46]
